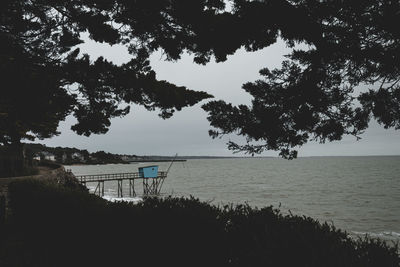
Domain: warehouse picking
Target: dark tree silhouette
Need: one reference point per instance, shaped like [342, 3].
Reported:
[44, 77]
[349, 44]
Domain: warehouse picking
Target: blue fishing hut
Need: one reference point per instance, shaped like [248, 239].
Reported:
[148, 172]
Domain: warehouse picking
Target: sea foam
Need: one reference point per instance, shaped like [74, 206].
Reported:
[134, 200]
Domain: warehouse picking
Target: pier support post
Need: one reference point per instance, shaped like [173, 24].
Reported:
[119, 189]
[98, 188]
[132, 192]
[145, 186]
[154, 186]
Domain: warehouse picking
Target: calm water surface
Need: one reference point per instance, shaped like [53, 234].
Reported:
[358, 194]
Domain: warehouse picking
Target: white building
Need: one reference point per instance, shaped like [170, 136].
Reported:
[78, 156]
[48, 156]
[64, 157]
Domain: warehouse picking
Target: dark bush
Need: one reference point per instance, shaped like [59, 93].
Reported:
[53, 225]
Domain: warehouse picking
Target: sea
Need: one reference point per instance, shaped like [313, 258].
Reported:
[360, 195]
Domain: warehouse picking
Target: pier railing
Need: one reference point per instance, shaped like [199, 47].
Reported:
[115, 176]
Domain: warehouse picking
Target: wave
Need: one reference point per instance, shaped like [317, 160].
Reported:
[134, 200]
[384, 235]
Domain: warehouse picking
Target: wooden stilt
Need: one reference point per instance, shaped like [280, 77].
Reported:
[119, 189]
[145, 186]
[97, 188]
[132, 192]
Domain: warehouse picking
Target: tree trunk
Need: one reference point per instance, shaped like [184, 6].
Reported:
[12, 160]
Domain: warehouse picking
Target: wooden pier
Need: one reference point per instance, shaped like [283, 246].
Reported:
[151, 186]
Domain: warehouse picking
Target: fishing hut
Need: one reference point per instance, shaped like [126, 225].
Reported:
[151, 183]
[151, 178]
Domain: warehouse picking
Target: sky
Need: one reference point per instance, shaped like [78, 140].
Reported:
[144, 133]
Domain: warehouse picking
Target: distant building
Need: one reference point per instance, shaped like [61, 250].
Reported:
[48, 156]
[64, 157]
[78, 156]
[125, 157]
[36, 157]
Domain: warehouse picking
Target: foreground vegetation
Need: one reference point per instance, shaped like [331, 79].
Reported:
[63, 225]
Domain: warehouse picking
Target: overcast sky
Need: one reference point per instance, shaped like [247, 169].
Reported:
[186, 133]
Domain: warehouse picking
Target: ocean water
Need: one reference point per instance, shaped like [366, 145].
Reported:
[358, 194]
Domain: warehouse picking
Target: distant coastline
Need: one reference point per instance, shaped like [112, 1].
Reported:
[155, 160]
[74, 156]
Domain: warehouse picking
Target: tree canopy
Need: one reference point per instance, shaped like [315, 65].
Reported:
[44, 77]
[312, 97]
[349, 43]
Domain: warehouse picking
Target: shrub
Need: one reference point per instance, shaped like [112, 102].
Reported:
[53, 225]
